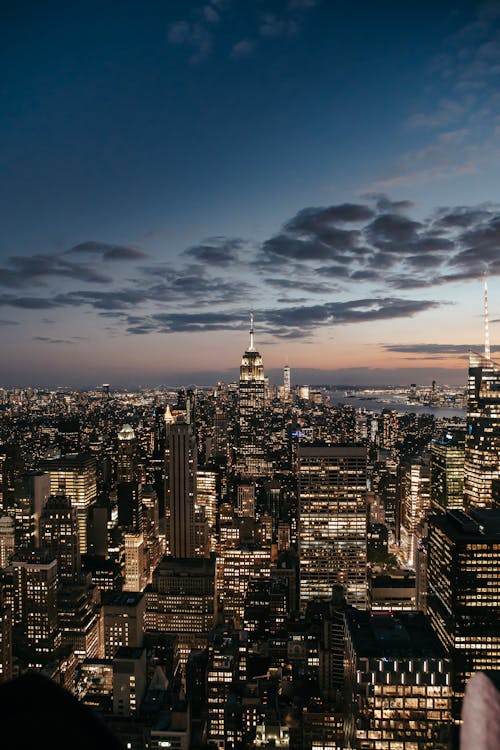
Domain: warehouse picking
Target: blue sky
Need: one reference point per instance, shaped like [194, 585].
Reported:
[167, 166]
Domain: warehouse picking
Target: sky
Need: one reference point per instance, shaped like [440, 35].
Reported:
[168, 166]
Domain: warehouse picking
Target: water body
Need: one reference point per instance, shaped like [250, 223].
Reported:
[375, 404]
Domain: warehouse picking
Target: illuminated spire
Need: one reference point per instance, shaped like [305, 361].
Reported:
[486, 320]
[251, 348]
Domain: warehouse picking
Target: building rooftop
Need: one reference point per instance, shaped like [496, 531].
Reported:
[480, 523]
[392, 634]
[128, 652]
[122, 598]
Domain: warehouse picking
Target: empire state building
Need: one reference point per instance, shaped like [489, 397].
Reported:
[251, 438]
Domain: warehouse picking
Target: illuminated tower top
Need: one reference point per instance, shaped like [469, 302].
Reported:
[486, 320]
[252, 367]
[251, 348]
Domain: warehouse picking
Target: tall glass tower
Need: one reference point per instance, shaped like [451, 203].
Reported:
[252, 393]
[482, 441]
[332, 522]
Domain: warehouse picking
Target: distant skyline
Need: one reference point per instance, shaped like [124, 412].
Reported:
[166, 168]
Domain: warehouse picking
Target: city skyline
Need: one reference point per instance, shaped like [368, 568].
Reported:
[168, 171]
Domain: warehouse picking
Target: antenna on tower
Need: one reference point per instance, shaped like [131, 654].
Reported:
[252, 345]
[486, 320]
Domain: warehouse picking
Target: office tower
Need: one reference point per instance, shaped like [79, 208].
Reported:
[286, 381]
[28, 506]
[222, 672]
[59, 533]
[235, 568]
[182, 488]
[251, 435]
[5, 642]
[482, 442]
[158, 459]
[416, 500]
[332, 522]
[35, 604]
[126, 460]
[68, 437]
[207, 491]
[123, 620]
[398, 679]
[181, 599]
[7, 540]
[245, 494]
[130, 514]
[105, 389]
[97, 529]
[12, 466]
[136, 570]
[447, 472]
[78, 618]
[74, 475]
[463, 596]
[129, 680]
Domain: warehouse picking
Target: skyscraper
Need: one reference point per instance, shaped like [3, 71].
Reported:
[59, 533]
[182, 489]
[286, 381]
[482, 441]
[35, 596]
[74, 475]
[463, 597]
[332, 522]
[447, 472]
[252, 391]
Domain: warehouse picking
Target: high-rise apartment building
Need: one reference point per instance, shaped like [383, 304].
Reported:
[332, 522]
[482, 440]
[74, 475]
[252, 398]
[463, 591]
[182, 488]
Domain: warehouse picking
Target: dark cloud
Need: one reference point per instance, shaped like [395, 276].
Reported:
[460, 217]
[27, 303]
[386, 205]
[313, 219]
[48, 340]
[391, 231]
[107, 251]
[4, 323]
[285, 246]
[352, 311]
[23, 270]
[217, 251]
[298, 285]
[436, 349]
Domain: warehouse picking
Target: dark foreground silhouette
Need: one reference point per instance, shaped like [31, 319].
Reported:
[40, 714]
